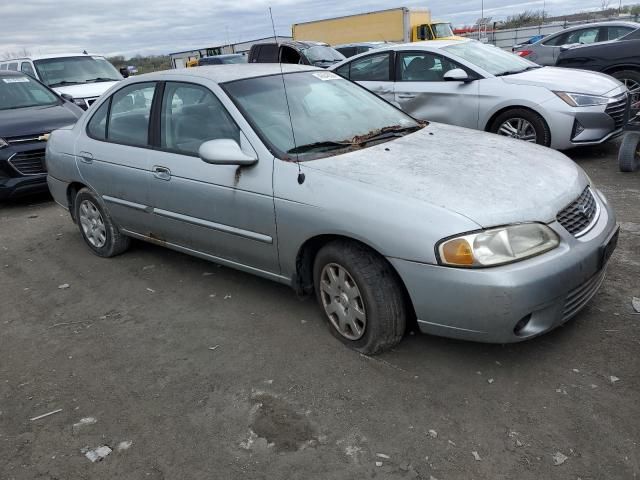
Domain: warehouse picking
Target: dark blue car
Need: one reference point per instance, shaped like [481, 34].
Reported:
[29, 111]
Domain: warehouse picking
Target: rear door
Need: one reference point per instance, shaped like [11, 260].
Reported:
[113, 155]
[422, 92]
[374, 72]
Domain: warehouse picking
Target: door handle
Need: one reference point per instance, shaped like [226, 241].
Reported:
[86, 157]
[162, 173]
[406, 95]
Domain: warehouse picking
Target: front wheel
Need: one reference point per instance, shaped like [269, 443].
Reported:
[629, 154]
[631, 80]
[360, 295]
[97, 228]
[522, 124]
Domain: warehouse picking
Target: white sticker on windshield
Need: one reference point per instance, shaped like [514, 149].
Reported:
[324, 76]
[97, 58]
[16, 80]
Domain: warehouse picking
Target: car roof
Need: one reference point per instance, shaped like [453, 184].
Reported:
[51, 55]
[426, 45]
[360, 44]
[598, 24]
[229, 72]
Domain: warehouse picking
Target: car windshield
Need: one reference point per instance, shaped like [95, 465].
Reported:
[489, 58]
[442, 30]
[57, 72]
[322, 53]
[235, 59]
[21, 91]
[321, 110]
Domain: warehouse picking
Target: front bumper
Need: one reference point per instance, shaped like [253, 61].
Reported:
[583, 126]
[13, 182]
[486, 305]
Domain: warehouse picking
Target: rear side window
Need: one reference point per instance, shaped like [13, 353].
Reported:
[268, 53]
[3, 66]
[374, 68]
[13, 66]
[97, 127]
[191, 115]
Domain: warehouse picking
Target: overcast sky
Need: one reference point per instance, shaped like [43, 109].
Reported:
[129, 27]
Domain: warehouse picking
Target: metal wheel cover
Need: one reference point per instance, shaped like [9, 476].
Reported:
[92, 224]
[518, 128]
[634, 89]
[342, 302]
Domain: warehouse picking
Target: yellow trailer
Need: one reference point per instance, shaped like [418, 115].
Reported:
[393, 25]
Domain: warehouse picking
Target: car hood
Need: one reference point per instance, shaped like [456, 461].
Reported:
[85, 90]
[563, 80]
[489, 179]
[35, 120]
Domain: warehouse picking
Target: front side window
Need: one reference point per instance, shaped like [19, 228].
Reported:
[614, 33]
[423, 67]
[373, 68]
[129, 117]
[192, 115]
[28, 69]
[20, 91]
[56, 72]
[324, 113]
[442, 30]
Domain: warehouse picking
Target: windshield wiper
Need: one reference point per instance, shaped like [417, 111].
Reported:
[64, 82]
[514, 72]
[328, 145]
[383, 133]
[101, 79]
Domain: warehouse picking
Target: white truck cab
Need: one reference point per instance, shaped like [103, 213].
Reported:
[81, 78]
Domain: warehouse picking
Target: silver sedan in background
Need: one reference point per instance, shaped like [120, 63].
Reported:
[333, 191]
[473, 85]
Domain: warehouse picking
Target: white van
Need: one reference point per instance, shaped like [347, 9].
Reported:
[80, 78]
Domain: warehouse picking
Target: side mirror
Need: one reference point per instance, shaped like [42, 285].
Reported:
[225, 152]
[67, 97]
[124, 71]
[456, 75]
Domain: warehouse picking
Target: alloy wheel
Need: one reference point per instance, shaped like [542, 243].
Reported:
[520, 129]
[342, 301]
[92, 224]
[634, 89]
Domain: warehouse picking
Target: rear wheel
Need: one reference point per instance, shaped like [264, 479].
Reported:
[522, 124]
[629, 154]
[360, 295]
[97, 228]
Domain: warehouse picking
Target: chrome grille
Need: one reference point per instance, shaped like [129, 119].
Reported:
[617, 109]
[579, 215]
[29, 163]
[580, 296]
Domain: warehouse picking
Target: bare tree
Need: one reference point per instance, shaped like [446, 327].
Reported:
[605, 5]
[21, 52]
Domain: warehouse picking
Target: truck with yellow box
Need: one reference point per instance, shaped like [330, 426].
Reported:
[393, 25]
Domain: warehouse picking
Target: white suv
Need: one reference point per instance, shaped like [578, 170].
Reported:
[80, 78]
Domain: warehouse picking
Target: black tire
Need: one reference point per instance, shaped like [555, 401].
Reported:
[543, 134]
[380, 292]
[629, 154]
[115, 242]
[629, 75]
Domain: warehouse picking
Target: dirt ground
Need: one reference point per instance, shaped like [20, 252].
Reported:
[191, 371]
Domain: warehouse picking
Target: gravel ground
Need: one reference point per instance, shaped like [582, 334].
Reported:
[189, 370]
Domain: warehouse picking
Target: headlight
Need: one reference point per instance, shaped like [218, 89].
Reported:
[3, 143]
[497, 246]
[580, 100]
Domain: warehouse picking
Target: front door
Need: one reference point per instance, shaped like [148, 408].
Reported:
[422, 92]
[224, 211]
[373, 72]
[113, 158]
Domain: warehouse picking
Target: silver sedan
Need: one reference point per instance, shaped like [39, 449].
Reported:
[325, 187]
[473, 85]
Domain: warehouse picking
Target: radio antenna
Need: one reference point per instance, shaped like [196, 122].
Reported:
[286, 98]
